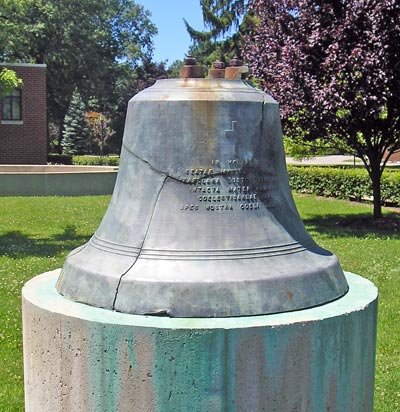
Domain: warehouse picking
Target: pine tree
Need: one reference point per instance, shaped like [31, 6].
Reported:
[227, 21]
[76, 133]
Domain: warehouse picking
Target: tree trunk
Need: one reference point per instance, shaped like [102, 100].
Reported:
[60, 137]
[375, 175]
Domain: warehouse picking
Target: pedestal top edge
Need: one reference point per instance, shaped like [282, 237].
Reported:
[40, 291]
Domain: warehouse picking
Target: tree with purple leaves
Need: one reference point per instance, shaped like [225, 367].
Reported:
[334, 66]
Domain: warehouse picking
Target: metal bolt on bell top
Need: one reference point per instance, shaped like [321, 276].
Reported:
[202, 222]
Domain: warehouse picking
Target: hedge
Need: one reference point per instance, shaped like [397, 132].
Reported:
[54, 158]
[344, 183]
[340, 182]
[95, 161]
[59, 159]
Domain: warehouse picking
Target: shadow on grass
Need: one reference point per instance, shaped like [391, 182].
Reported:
[16, 244]
[357, 225]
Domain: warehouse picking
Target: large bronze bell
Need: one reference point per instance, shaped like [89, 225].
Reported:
[202, 222]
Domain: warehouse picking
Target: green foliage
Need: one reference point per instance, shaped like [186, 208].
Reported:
[100, 130]
[227, 22]
[95, 161]
[173, 69]
[390, 188]
[343, 183]
[59, 159]
[88, 45]
[19, 28]
[207, 52]
[135, 81]
[299, 149]
[76, 132]
[8, 81]
[54, 158]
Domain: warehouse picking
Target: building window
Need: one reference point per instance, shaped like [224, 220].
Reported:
[12, 106]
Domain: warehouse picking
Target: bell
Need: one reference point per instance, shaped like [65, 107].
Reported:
[202, 222]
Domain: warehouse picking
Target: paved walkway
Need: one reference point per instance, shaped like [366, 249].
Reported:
[331, 160]
[323, 160]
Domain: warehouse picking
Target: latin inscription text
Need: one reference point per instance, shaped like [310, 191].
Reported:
[234, 185]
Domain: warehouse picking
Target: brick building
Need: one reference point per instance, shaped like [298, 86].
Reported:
[395, 158]
[23, 118]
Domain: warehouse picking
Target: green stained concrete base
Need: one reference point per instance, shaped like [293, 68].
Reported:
[82, 358]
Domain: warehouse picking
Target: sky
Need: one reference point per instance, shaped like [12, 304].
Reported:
[172, 41]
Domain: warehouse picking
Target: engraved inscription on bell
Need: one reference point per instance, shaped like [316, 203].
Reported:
[202, 222]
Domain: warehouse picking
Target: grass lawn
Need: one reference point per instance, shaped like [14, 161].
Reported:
[37, 233]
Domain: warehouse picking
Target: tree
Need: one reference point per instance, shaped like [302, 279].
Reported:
[227, 23]
[100, 129]
[334, 67]
[8, 81]
[174, 69]
[145, 75]
[88, 45]
[76, 128]
[17, 30]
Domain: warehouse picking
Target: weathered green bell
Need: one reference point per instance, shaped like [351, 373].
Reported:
[202, 222]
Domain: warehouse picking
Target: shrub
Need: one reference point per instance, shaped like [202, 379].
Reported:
[55, 158]
[95, 161]
[343, 183]
[391, 188]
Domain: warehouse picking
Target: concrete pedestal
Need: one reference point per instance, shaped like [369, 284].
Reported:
[82, 358]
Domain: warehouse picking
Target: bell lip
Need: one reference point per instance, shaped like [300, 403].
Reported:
[258, 308]
[206, 313]
[194, 298]
[165, 313]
